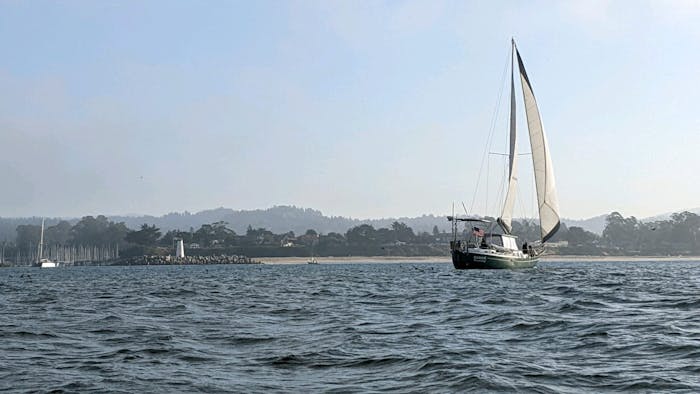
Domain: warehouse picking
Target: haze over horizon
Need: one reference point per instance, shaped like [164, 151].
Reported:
[356, 109]
[567, 220]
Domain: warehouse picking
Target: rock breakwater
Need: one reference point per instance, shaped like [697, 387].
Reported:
[188, 260]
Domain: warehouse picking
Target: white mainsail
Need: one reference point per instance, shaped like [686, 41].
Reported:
[547, 201]
[506, 218]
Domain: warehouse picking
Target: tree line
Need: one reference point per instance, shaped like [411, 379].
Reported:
[677, 235]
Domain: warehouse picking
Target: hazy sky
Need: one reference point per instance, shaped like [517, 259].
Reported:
[356, 108]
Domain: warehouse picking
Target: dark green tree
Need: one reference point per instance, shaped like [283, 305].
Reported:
[310, 238]
[402, 232]
[385, 236]
[526, 230]
[215, 234]
[146, 236]
[28, 237]
[98, 231]
[686, 226]
[259, 236]
[424, 238]
[115, 234]
[60, 234]
[168, 238]
[332, 241]
[621, 233]
[577, 236]
[363, 234]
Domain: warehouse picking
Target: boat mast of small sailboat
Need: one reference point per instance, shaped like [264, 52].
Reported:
[41, 261]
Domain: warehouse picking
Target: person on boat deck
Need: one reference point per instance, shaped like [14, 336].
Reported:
[525, 247]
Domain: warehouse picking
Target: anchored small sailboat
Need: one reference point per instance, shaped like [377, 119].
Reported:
[42, 262]
[486, 249]
[312, 259]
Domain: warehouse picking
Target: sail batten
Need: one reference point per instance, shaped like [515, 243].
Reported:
[547, 201]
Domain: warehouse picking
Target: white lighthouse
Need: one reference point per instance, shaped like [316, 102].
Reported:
[180, 249]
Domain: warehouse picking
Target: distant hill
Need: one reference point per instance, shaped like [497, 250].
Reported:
[281, 219]
[277, 219]
[667, 215]
[595, 224]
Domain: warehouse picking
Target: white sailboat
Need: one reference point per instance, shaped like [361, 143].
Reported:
[312, 259]
[490, 250]
[42, 262]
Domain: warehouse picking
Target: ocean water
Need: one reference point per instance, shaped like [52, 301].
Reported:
[562, 327]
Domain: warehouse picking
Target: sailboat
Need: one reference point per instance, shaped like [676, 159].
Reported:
[42, 262]
[486, 248]
[312, 259]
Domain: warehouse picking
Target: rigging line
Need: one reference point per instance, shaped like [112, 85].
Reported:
[535, 201]
[507, 154]
[529, 207]
[501, 194]
[528, 215]
[494, 126]
[465, 211]
[522, 209]
[491, 131]
[499, 202]
[486, 200]
[506, 145]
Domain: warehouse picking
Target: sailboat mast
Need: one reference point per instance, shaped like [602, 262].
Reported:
[506, 219]
[41, 241]
[511, 153]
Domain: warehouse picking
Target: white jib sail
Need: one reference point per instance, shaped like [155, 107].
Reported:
[506, 218]
[547, 201]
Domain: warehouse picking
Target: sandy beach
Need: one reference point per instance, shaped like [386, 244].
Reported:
[355, 259]
[446, 259]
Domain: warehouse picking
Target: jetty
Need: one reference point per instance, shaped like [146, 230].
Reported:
[187, 260]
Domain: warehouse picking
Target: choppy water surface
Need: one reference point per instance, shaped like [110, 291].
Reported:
[562, 327]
